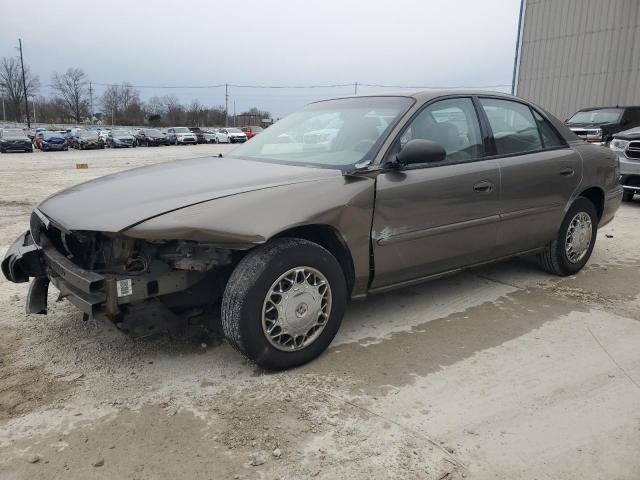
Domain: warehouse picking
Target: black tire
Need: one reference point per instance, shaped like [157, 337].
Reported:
[627, 196]
[553, 258]
[247, 288]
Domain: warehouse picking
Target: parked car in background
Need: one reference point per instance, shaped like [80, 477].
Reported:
[103, 133]
[211, 136]
[425, 197]
[120, 139]
[181, 136]
[199, 133]
[222, 135]
[235, 134]
[627, 145]
[15, 140]
[251, 132]
[151, 137]
[86, 140]
[51, 141]
[598, 125]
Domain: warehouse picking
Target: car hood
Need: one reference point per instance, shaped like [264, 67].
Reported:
[604, 126]
[631, 134]
[118, 201]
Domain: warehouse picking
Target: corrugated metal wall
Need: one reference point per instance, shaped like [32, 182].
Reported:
[580, 53]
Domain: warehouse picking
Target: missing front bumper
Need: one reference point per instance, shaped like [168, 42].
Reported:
[94, 294]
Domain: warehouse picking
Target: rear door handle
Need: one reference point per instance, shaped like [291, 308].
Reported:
[483, 187]
[567, 172]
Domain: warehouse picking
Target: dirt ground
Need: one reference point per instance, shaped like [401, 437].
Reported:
[503, 372]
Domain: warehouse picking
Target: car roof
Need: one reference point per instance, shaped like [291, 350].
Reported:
[589, 109]
[426, 95]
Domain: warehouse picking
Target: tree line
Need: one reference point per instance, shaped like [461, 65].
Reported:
[72, 101]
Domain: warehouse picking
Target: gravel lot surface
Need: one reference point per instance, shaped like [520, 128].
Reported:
[502, 372]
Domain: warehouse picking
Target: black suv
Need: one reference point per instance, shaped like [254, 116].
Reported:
[599, 124]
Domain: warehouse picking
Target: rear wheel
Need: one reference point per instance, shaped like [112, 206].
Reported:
[572, 247]
[627, 196]
[284, 302]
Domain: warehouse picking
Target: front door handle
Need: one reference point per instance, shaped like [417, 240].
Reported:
[567, 172]
[483, 187]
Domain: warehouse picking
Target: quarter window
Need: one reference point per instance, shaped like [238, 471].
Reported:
[452, 123]
[514, 129]
[549, 136]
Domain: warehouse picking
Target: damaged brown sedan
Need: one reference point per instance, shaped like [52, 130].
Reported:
[345, 198]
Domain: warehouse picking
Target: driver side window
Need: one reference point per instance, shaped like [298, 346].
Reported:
[452, 123]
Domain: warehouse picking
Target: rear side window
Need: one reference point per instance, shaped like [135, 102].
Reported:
[550, 137]
[514, 129]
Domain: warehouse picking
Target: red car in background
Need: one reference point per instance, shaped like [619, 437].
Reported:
[199, 133]
[251, 132]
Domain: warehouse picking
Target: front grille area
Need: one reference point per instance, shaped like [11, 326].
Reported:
[84, 249]
[633, 150]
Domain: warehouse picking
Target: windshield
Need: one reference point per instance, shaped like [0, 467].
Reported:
[255, 129]
[602, 115]
[333, 134]
[52, 135]
[12, 132]
[121, 133]
[153, 133]
[182, 130]
[233, 130]
[88, 134]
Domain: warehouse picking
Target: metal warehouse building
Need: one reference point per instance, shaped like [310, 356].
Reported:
[573, 54]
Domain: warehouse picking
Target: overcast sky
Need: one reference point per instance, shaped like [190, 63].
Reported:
[272, 42]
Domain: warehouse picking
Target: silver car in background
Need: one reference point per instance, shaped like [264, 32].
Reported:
[181, 136]
[627, 145]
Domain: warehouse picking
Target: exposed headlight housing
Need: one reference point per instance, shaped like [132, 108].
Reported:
[595, 135]
[618, 145]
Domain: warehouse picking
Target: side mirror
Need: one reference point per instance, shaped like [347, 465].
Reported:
[420, 151]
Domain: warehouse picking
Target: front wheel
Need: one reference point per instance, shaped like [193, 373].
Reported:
[572, 247]
[284, 302]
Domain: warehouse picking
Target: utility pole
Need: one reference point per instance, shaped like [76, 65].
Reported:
[4, 113]
[234, 113]
[226, 104]
[24, 85]
[355, 88]
[90, 103]
[34, 112]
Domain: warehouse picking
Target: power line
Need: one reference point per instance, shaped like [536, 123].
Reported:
[284, 87]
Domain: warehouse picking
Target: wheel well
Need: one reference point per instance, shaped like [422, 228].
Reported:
[329, 238]
[596, 195]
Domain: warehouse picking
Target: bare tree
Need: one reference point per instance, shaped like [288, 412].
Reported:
[110, 101]
[12, 88]
[156, 106]
[128, 96]
[71, 88]
[175, 114]
[196, 114]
